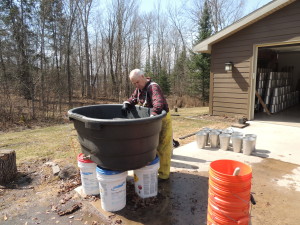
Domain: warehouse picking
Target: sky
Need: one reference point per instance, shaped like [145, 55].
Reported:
[250, 5]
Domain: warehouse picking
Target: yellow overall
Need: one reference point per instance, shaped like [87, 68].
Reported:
[165, 146]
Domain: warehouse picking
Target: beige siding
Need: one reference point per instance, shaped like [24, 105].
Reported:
[234, 92]
[230, 92]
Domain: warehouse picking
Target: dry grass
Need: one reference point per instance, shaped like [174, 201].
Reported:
[54, 143]
[59, 143]
[190, 120]
[184, 102]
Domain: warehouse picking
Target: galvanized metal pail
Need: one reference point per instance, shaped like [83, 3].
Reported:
[201, 139]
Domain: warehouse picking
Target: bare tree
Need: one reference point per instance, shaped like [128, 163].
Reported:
[17, 20]
[224, 12]
[178, 21]
[42, 26]
[71, 10]
[148, 27]
[84, 7]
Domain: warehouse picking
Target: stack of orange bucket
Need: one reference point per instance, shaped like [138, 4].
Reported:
[228, 194]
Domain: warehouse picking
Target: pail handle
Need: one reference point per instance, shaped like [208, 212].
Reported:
[214, 197]
[235, 195]
[226, 215]
[236, 221]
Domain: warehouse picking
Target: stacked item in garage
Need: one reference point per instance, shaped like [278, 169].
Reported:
[282, 96]
[276, 91]
[260, 86]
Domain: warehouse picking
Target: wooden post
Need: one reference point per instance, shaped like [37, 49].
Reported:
[8, 165]
[262, 103]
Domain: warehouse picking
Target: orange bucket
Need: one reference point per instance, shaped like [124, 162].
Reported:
[232, 182]
[228, 194]
[228, 211]
[244, 194]
[228, 202]
[224, 169]
[229, 187]
[219, 220]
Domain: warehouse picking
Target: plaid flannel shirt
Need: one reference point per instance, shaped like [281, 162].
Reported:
[155, 98]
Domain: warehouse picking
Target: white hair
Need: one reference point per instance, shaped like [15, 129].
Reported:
[136, 73]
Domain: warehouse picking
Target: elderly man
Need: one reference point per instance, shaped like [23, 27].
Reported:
[149, 94]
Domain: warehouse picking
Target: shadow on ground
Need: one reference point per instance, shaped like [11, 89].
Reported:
[177, 164]
[180, 200]
[261, 153]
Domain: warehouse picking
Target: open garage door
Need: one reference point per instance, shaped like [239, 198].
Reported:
[278, 83]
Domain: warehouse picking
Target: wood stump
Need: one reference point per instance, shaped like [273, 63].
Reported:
[8, 165]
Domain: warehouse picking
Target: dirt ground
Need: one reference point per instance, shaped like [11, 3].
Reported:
[276, 204]
[38, 197]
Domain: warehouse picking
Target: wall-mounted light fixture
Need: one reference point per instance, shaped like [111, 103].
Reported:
[228, 66]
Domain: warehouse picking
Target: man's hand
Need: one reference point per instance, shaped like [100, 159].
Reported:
[126, 108]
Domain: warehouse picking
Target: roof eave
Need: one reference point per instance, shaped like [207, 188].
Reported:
[202, 48]
[205, 46]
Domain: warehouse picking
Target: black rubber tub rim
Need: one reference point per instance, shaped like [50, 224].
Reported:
[125, 121]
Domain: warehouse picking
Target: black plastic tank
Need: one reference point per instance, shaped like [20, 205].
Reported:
[116, 142]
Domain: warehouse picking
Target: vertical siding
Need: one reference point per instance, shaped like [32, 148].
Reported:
[230, 94]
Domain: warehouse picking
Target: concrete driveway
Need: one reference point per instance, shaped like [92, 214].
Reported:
[278, 137]
[275, 165]
[278, 134]
[276, 141]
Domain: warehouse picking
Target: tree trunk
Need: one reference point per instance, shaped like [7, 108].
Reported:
[8, 165]
[87, 63]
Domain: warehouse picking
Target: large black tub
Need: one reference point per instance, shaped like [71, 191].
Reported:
[116, 142]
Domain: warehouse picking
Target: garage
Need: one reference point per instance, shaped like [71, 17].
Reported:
[259, 55]
[278, 82]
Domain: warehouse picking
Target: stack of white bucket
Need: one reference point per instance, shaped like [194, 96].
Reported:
[112, 184]
[112, 189]
[90, 184]
[145, 179]
[226, 139]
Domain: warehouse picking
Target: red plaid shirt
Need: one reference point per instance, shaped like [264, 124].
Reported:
[150, 96]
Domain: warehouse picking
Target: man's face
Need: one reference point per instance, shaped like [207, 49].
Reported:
[138, 81]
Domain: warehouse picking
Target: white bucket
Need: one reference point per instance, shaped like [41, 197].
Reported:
[112, 186]
[236, 133]
[254, 143]
[145, 179]
[206, 130]
[201, 139]
[214, 139]
[90, 185]
[248, 143]
[224, 141]
[237, 143]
